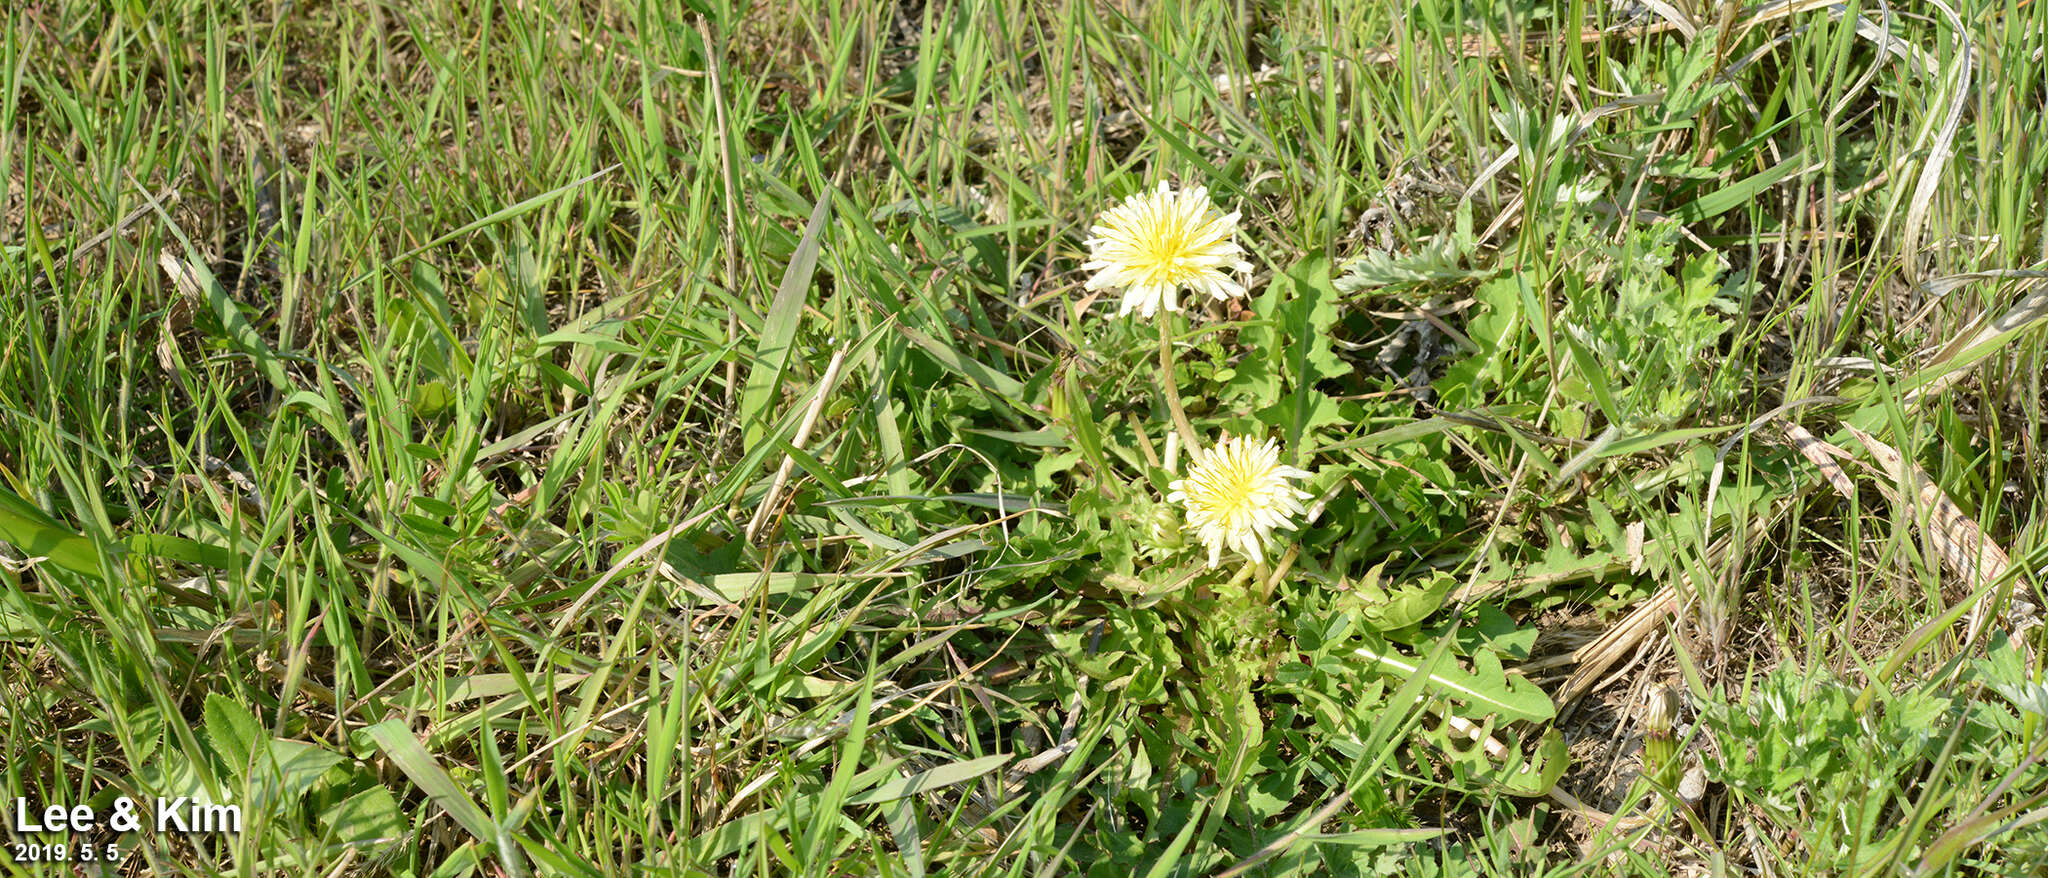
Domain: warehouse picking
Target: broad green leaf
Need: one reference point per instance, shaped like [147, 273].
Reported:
[368, 816]
[1595, 376]
[182, 550]
[172, 774]
[284, 770]
[233, 731]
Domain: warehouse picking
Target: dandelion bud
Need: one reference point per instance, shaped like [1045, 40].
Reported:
[1165, 526]
[1660, 743]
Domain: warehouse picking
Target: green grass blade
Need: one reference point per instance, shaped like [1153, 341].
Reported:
[778, 332]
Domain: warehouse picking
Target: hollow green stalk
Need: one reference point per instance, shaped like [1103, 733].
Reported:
[1172, 389]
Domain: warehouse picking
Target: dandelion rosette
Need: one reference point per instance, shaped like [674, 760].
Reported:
[1236, 494]
[1156, 243]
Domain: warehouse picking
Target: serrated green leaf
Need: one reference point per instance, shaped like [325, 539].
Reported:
[1487, 689]
[1542, 768]
[1490, 754]
[1389, 609]
[1438, 261]
[1311, 312]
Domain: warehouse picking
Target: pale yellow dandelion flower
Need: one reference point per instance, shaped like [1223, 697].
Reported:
[1236, 494]
[1156, 243]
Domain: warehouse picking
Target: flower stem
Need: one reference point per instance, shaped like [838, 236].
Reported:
[1269, 578]
[1171, 388]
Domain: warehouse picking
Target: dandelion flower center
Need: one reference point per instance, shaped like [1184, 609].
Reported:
[1237, 494]
[1156, 243]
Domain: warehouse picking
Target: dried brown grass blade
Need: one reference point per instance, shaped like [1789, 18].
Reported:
[1939, 143]
[177, 319]
[1824, 455]
[1593, 659]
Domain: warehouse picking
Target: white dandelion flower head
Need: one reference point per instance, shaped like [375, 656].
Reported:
[1156, 243]
[1236, 494]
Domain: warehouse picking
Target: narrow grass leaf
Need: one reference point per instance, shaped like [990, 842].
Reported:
[405, 751]
[1735, 195]
[182, 550]
[1169, 862]
[925, 781]
[40, 536]
[497, 216]
[1377, 838]
[778, 332]
[196, 282]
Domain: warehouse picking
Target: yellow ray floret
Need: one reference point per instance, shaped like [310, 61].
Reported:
[1236, 494]
[1157, 243]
